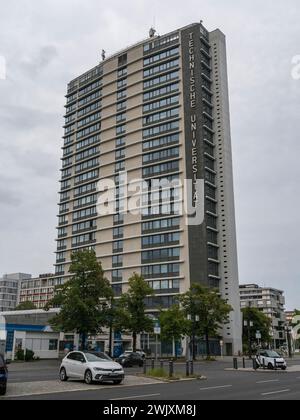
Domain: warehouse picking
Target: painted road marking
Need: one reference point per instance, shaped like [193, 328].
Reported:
[215, 387]
[276, 392]
[134, 396]
[266, 382]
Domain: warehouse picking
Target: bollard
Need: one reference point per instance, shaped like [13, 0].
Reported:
[152, 363]
[264, 364]
[171, 369]
[187, 368]
[254, 364]
[235, 363]
[192, 367]
[244, 363]
[275, 364]
[161, 364]
[145, 367]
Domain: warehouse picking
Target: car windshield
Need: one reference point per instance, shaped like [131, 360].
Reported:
[272, 354]
[97, 357]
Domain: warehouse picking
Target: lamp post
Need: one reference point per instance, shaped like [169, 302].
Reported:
[194, 319]
[288, 339]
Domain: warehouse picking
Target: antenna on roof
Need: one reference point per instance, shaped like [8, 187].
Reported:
[152, 32]
[201, 22]
[103, 54]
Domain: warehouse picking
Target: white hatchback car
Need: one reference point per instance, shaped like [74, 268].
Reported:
[268, 358]
[90, 367]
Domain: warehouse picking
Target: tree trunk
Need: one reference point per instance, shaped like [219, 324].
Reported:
[207, 343]
[134, 342]
[83, 340]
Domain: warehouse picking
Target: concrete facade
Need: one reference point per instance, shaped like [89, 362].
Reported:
[132, 113]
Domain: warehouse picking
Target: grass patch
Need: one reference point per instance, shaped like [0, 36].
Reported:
[158, 373]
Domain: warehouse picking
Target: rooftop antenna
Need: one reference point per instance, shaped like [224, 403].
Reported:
[201, 22]
[103, 54]
[152, 32]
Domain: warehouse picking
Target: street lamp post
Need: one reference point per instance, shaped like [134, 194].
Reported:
[288, 338]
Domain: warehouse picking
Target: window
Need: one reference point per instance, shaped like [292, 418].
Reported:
[154, 131]
[117, 260]
[120, 141]
[89, 98]
[90, 87]
[121, 117]
[121, 94]
[120, 154]
[121, 129]
[162, 168]
[89, 109]
[122, 72]
[122, 60]
[88, 130]
[86, 165]
[118, 232]
[117, 246]
[121, 105]
[88, 142]
[161, 56]
[85, 189]
[120, 166]
[162, 103]
[160, 270]
[161, 79]
[161, 141]
[162, 155]
[53, 345]
[161, 224]
[79, 227]
[88, 120]
[158, 240]
[162, 67]
[160, 255]
[121, 83]
[161, 91]
[153, 118]
[117, 276]
[87, 153]
[86, 213]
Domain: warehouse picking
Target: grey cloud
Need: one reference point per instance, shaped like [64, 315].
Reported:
[48, 50]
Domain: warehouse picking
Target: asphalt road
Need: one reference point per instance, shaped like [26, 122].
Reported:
[220, 385]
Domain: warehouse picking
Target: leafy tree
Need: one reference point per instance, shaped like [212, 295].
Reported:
[207, 312]
[260, 322]
[82, 299]
[130, 313]
[174, 324]
[25, 306]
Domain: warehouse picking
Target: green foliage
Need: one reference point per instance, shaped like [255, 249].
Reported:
[130, 313]
[158, 373]
[206, 305]
[29, 355]
[83, 299]
[25, 306]
[174, 324]
[260, 323]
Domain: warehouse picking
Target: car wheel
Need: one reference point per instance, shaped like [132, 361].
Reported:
[270, 366]
[88, 377]
[63, 375]
[283, 368]
[118, 382]
[3, 390]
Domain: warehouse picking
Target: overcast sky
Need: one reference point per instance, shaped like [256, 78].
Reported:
[47, 43]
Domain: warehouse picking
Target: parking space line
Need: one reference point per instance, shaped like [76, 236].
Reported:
[266, 382]
[215, 387]
[134, 396]
[276, 392]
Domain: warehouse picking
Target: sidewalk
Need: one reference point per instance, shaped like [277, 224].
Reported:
[54, 387]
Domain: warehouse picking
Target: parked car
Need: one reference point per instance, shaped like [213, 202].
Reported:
[268, 357]
[130, 359]
[3, 375]
[140, 352]
[90, 367]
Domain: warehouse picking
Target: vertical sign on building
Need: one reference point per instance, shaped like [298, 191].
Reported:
[194, 149]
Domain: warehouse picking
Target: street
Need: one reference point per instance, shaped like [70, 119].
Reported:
[220, 384]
